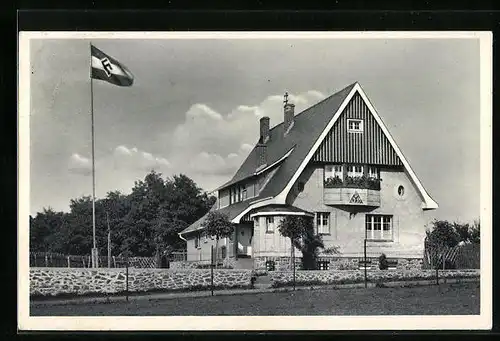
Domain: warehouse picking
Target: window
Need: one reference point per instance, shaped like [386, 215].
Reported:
[332, 171]
[232, 199]
[323, 222]
[256, 222]
[379, 227]
[355, 126]
[270, 224]
[243, 192]
[300, 186]
[373, 172]
[354, 171]
[323, 265]
[401, 191]
[237, 194]
[197, 241]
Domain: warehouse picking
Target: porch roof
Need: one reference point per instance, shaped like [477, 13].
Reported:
[231, 212]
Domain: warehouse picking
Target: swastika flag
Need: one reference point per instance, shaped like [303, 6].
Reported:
[108, 69]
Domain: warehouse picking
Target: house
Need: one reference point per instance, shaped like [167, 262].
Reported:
[335, 162]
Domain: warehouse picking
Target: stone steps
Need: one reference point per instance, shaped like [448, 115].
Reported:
[262, 282]
[244, 263]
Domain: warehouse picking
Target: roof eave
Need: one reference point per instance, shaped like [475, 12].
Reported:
[259, 171]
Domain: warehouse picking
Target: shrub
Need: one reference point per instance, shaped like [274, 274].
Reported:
[333, 182]
[383, 264]
[300, 230]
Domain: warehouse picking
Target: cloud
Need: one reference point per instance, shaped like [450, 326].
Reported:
[79, 165]
[202, 112]
[133, 158]
[215, 164]
[215, 143]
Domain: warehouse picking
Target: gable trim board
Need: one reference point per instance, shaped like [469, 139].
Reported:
[427, 204]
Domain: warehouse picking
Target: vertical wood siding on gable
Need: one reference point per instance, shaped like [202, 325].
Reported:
[369, 147]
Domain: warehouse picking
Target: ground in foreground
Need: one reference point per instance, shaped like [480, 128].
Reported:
[445, 299]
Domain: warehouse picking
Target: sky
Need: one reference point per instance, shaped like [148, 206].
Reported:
[195, 105]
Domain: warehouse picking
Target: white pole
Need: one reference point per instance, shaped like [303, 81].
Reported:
[94, 248]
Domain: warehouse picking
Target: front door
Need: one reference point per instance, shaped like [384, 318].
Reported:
[244, 234]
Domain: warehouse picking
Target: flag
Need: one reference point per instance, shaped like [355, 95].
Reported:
[108, 69]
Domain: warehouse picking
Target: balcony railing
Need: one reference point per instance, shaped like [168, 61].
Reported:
[360, 182]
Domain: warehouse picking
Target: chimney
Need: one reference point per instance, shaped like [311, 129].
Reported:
[289, 113]
[261, 155]
[264, 129]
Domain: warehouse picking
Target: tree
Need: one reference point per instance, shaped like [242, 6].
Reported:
[441, 237]
[145, 222]
[300, 230]
[463, 231]
[443, 233]
[475, 232]
[47, 230]
[218, 225]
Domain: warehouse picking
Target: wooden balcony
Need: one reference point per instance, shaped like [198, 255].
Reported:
[351, 196]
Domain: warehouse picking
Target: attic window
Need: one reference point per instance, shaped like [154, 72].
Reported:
[354, 126]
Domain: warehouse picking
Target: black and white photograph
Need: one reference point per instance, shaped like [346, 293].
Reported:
[254, 180]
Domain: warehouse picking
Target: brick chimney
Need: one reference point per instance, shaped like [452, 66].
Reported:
[289, 114]
[264, 129]
[261, 149]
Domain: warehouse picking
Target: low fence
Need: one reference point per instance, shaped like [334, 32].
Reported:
[49, 259]
[465, 256]
[47, 280]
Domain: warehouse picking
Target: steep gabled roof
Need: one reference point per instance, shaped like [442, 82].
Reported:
[286, 151]
[306, 129]
[299, 145]
[288, 173]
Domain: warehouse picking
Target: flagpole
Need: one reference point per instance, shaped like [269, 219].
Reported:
[94, 248]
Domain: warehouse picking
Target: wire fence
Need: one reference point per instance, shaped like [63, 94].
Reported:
[462, 256]
[49, 259]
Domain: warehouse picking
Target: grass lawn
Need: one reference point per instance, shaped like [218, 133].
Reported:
[445, 299]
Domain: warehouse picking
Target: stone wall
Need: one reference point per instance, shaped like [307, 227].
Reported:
[336, 263]
[78, 281]
[352, 263]
[280, 263]
[318, 277]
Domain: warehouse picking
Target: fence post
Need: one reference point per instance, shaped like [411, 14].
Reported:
[437, 269]
[366, 274]
[114, 261]
[46, 260]
[293, 260]
[69, 266]
[212, 270]
[126, 277]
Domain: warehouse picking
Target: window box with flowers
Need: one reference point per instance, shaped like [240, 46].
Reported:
[360, 182]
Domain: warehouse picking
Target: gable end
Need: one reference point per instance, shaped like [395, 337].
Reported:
[369, 146]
